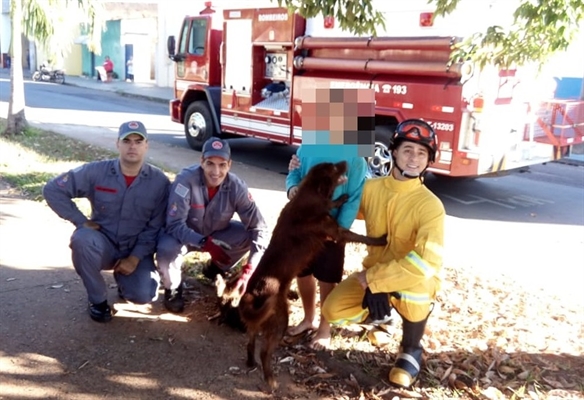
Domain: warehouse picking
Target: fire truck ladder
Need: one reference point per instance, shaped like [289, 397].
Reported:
[558, 122]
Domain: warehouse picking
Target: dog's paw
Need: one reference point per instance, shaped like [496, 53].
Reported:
[379, 241]
[342, 199]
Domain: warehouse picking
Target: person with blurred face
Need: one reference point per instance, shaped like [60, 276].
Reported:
[128, 199]
[202, 202]
[336, 112]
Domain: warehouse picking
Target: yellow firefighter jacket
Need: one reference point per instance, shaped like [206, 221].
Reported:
[413, 218]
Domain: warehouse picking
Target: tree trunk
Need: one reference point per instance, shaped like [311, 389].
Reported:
[16, 121]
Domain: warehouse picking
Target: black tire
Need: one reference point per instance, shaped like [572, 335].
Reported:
[60, 78]
[36, 76]
[382, 162]
[198, 124]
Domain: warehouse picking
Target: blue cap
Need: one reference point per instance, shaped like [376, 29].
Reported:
[216, 147]
[130, 127]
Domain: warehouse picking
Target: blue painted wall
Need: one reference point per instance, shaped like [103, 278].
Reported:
[110, 46]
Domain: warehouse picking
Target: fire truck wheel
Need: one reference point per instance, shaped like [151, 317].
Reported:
[382, 161]
[198, 124]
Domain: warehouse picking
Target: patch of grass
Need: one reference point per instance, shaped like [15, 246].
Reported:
[29, 160]
[29, 184]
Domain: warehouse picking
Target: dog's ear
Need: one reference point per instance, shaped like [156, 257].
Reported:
[326, 186]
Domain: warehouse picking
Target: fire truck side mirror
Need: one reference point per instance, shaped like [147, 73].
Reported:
[171, 46]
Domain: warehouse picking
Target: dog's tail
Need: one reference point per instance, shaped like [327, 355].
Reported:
[257, 309]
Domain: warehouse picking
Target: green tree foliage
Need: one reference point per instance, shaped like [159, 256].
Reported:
[49, 23]
[358, 17]
[540, 27]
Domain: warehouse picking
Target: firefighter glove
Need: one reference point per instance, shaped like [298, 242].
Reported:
[217, 249]
[378, 305]
[246, 273]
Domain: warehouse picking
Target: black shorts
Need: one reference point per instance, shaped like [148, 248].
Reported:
[328, 265]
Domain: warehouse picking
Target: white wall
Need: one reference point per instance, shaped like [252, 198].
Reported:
[571, 62]
[5, 33]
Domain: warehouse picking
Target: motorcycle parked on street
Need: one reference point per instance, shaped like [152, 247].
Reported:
[45, 74]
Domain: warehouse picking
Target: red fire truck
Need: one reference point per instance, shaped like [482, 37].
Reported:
[238, 73]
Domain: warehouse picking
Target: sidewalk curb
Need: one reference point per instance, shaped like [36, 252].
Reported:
[126, 94]
[570, 161]
[145, 97]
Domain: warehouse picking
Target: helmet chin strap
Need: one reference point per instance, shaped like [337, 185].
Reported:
[410, 175]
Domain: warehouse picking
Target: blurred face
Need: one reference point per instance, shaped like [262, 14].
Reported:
[132, 149]
[412, 158]
[215, 170]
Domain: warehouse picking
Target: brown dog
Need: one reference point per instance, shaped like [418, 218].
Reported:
[303, 227]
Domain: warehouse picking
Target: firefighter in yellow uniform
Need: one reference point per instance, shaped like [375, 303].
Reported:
[405, 274]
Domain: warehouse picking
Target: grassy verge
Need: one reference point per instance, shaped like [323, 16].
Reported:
[29, 160]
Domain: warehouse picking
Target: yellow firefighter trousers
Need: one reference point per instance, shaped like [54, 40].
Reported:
[343, 305]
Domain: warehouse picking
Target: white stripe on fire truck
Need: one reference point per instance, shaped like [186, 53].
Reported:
[297, 131]
[182, 85]
[255, 125]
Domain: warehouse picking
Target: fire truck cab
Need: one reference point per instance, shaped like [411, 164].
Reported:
[239, 72]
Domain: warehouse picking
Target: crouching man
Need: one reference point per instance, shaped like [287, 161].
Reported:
[128, 198]
[202, 202]
[403, 275]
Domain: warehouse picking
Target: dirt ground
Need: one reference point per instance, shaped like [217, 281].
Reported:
[54, 351]
[487, 339]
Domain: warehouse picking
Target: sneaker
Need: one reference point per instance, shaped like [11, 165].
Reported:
[100, 312]
[173, 300]
[210, 271]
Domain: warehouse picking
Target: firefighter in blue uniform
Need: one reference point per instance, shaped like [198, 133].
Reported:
[202, 202]
[128, 199]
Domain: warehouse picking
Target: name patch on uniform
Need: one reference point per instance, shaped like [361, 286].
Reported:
[197, 206]
[181, 190]
[173, 210]
[62, 180]
[106, 189]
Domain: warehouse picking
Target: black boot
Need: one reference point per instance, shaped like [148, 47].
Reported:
[173, 300]
[409, 360]
[100, 312]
